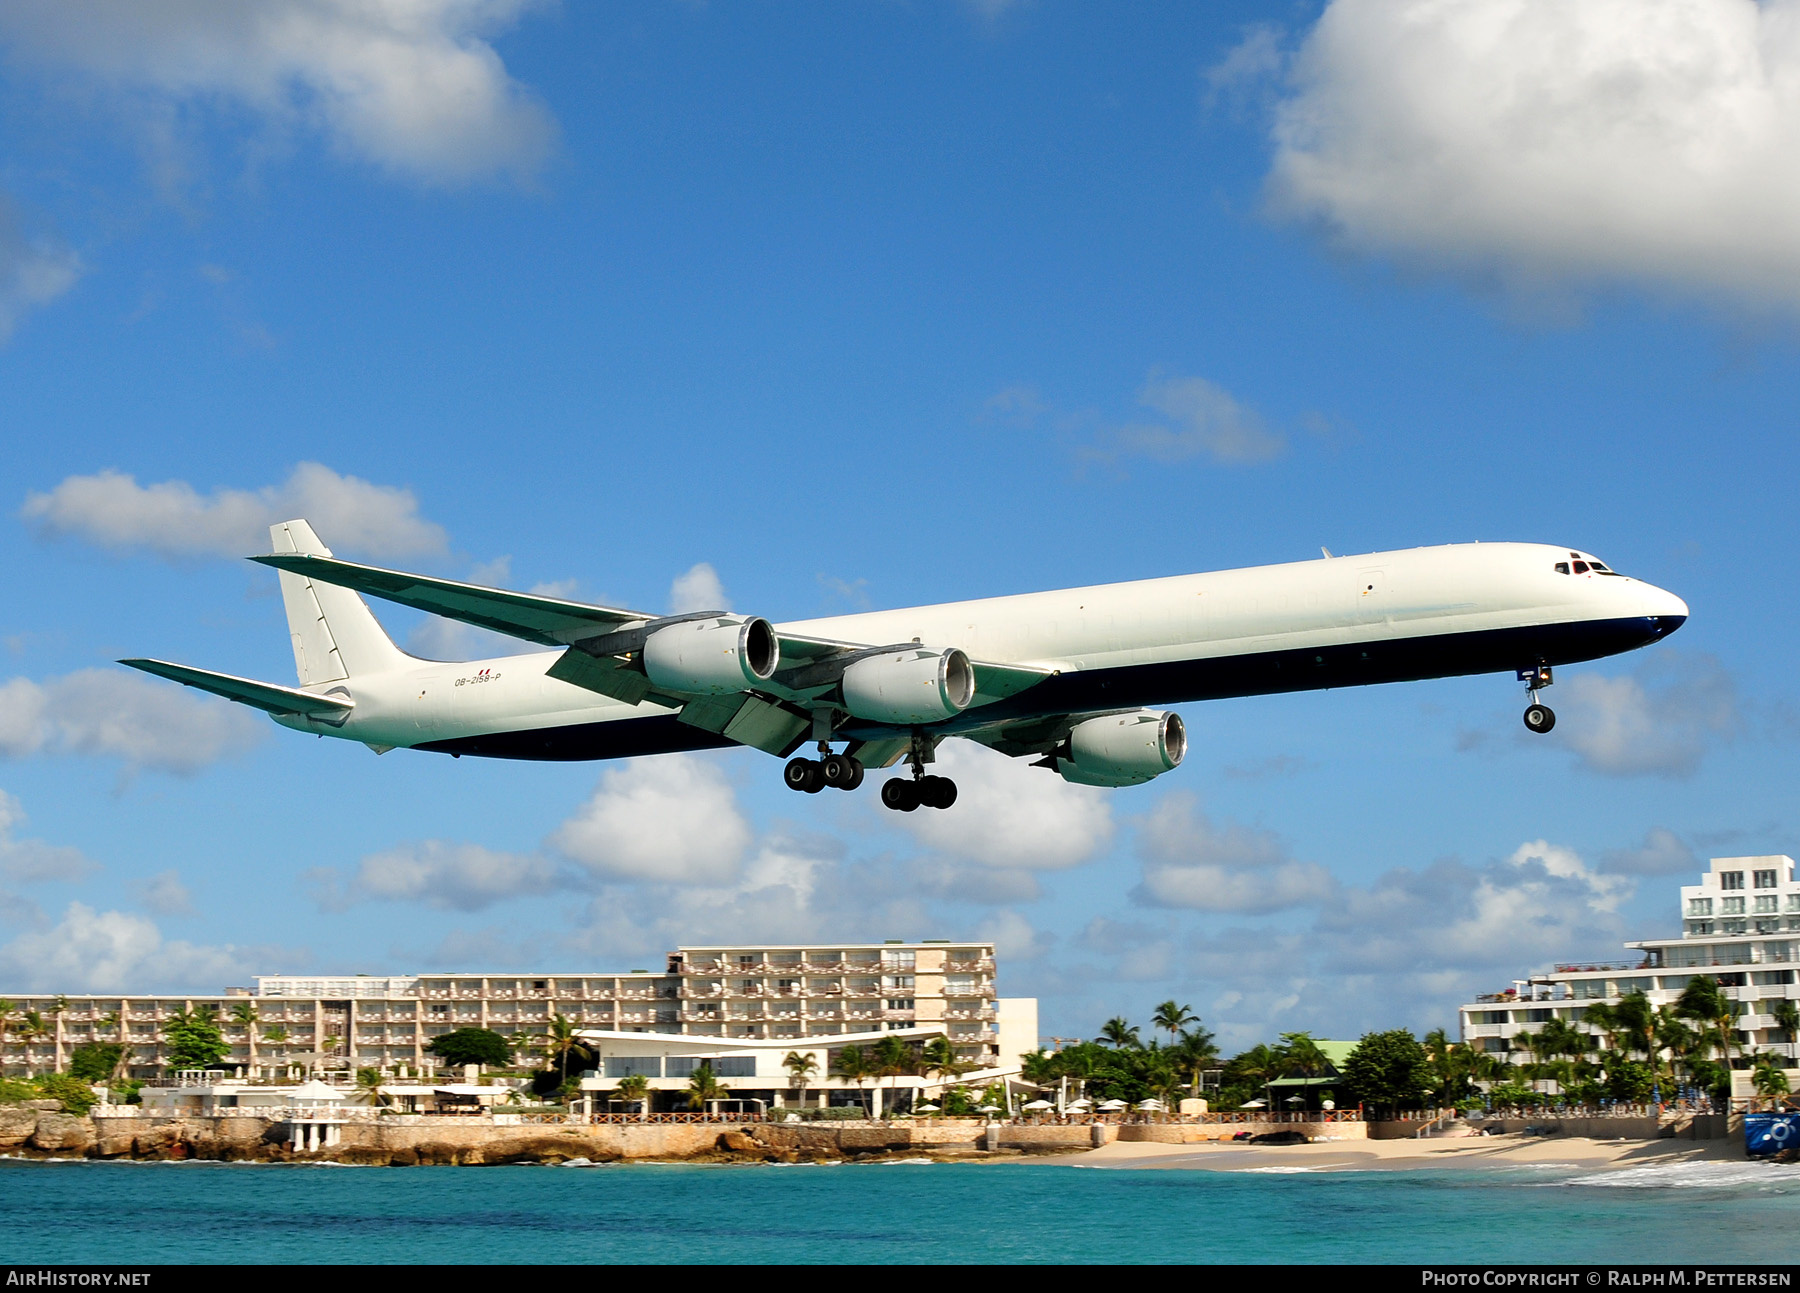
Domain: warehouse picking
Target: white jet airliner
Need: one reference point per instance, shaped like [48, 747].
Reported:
[1064, 677]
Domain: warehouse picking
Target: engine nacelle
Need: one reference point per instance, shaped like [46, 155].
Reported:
[908, 687]
[1123, 749]
[712, 657]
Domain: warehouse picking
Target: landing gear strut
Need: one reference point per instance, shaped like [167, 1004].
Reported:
[904, 796]
[1539, 718]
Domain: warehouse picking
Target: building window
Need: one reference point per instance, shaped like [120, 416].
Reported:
[1765, 879]
[1731, 906]
[1767, 903]
[1700, 927]
[899, 1003]
[1731, 879]
[1700, 907]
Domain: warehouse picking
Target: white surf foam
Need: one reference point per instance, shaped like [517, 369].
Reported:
[1695, 1176]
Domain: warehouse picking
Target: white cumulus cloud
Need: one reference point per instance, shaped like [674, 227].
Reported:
[413, 86]
[1191, 862]
[1009, 814]
[119, 714]
[438, 873]
[34, 270]
[34, 861]
[1554, 141]
[105, 951]
[1656, 721]
[672, 819]
[698, 590]
[173, 519]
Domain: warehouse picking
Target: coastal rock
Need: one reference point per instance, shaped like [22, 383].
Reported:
[16, 1125]
[64, 1132]
[737, 1142]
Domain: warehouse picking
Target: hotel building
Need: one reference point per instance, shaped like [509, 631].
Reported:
[745, 994]
[1740, 925]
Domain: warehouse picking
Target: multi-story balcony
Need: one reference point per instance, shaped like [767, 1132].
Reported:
[976, 1013]
[984, 965]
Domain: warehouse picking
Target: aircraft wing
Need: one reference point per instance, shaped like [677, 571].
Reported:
[548, 621]
[262, 695]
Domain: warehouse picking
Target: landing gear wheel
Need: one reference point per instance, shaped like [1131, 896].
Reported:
[804, 775]
[937, 792]
[841, 771]
[1540, 718]
[900, 794]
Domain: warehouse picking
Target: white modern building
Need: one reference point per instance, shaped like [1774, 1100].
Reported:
[1740, 925]
[751, 994]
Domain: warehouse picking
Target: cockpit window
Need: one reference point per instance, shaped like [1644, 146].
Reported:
[1581, 567]
[1562, 567]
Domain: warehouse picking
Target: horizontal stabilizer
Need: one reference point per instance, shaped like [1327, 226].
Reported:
[262, 695]
[548, 621]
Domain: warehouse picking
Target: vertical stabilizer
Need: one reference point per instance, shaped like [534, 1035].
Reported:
[334, 633]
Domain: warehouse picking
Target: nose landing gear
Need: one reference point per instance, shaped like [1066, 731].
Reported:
[1540, 718]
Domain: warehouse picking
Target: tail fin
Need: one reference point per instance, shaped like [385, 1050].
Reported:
[335, 634]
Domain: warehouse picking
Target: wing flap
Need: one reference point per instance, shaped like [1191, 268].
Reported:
[265, 696]
[548, 621]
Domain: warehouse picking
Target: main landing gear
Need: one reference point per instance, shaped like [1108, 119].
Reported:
[1540, 718]
[904, 796]
[839, 771]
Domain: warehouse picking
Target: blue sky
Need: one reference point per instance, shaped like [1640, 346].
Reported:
[874, 304]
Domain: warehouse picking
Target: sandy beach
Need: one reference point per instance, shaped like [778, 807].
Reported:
[1400, 1155]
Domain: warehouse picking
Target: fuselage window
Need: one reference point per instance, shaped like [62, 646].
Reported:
[1562, 567]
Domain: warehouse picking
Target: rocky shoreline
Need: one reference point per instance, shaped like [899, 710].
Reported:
[466, 1142]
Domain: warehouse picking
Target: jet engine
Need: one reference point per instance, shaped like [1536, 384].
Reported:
[910, 686]
[1122, 749]
[713, 656]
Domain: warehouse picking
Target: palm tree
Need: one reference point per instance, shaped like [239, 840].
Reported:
[634, 1089]
[563, 1039]
[1635, 1019]
[1770, 1078]
[1193, 1054]
[703, 1087]
[1172, 1018]
[853, 1066]
[800, 1065]
[31, 1030]
[892, 1058]
[244, 1015]
[1787, 1018]
[1705, 1001]
[113, 1019]
[1118, 1033]
[368, 1081]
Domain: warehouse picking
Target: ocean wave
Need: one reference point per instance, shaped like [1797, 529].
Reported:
[1694, 1176]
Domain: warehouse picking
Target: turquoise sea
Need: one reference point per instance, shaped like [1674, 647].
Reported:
[125, 1213]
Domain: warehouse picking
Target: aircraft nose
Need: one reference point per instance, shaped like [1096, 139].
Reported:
[1666, 613]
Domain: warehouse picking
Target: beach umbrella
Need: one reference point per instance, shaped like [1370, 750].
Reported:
[1037, 1105]
[1251, 1104]
[1080, 1104]
[1113, 1106]
[926, 1108]
[988, 1108]
[1296, 1099]
[1153, 1105]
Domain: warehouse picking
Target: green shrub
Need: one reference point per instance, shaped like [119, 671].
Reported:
[15, 1091]
[77, 1096]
